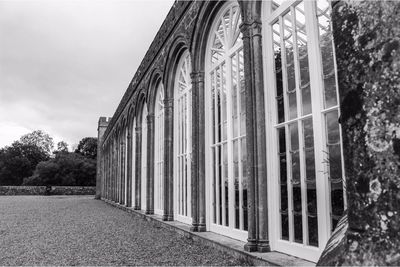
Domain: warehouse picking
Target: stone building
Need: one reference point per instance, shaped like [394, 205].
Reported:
[267, 121]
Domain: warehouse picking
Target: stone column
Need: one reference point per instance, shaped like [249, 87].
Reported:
[108, 172]
[255, 128]
[195, 158]
[115, 169]
[112, 167]
[168, 160]
[138, 168]
[198, 153]
[251, 244]
[123, 173]
[150, 165]
[118, 169]
[129, 176]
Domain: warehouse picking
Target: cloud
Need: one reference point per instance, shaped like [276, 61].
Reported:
[65, 63]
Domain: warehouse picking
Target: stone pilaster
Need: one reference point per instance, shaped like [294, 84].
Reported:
[255, 129]
[123, 172]
[168, 161]
[138, 168]
[129, 161]
[198, 154]
[150, 165]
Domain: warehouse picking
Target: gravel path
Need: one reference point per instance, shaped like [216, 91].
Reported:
[78, 230]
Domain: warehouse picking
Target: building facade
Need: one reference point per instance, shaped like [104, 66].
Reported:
[243, 119]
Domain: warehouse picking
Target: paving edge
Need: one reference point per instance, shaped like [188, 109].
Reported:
[222, 243]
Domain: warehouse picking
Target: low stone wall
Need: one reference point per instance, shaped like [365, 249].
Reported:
[41, 190]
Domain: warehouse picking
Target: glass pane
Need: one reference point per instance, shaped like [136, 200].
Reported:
[236, 180]
[224, 103]
[242, 111]
[326, 46]
[214, 197]
[290, 71]
[294, 151]
[278, 71]
[220, 185]
[297, 212]
[283, 184]
[332, 123]
[235, 117]
[244, 181]
[301, 36]
[226, 182]
[309, 150]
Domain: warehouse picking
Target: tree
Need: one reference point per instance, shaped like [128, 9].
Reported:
[68, 169]
[39, 139]
[18, 161]
[87, 147]
[62, 146]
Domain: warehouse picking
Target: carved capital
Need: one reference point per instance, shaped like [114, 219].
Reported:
[250, 29]
[245, 29]
[256, 28]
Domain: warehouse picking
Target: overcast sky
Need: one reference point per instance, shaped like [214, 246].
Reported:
[65, 63]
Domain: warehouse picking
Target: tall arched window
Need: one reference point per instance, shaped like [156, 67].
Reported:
[226, 125]
[305, 167]
[159, 151]
[133, 183]
[125, 165]
[143, 185]
[182, 139]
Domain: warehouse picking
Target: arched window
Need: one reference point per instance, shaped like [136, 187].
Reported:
[226, 126]
[143, 185]
[133, 183]
[159, 151]
[182, 139]
[305, 165]
[125, 165]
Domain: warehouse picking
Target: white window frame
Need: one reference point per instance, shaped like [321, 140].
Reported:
[322, 184]
[230, 231]
[183, 137]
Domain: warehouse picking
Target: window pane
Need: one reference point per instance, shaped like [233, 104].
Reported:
[290, 70]
[278, 71]
[327, 57]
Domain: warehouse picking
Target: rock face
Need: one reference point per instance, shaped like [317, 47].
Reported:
[367, 40]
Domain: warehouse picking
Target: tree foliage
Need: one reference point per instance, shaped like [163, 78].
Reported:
[87, 147]
[40, 139]
[62, 146]
[18, 161]
[68, 169]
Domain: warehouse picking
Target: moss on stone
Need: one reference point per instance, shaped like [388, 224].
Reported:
[367, 41]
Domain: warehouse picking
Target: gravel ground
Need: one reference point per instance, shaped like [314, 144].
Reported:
[78, 230]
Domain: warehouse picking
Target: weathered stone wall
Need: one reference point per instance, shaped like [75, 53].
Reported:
[367, 40]
[41, 190]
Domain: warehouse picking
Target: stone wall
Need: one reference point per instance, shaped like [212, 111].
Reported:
[41, 190]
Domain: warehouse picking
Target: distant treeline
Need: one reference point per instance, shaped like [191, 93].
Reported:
[32, 161]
